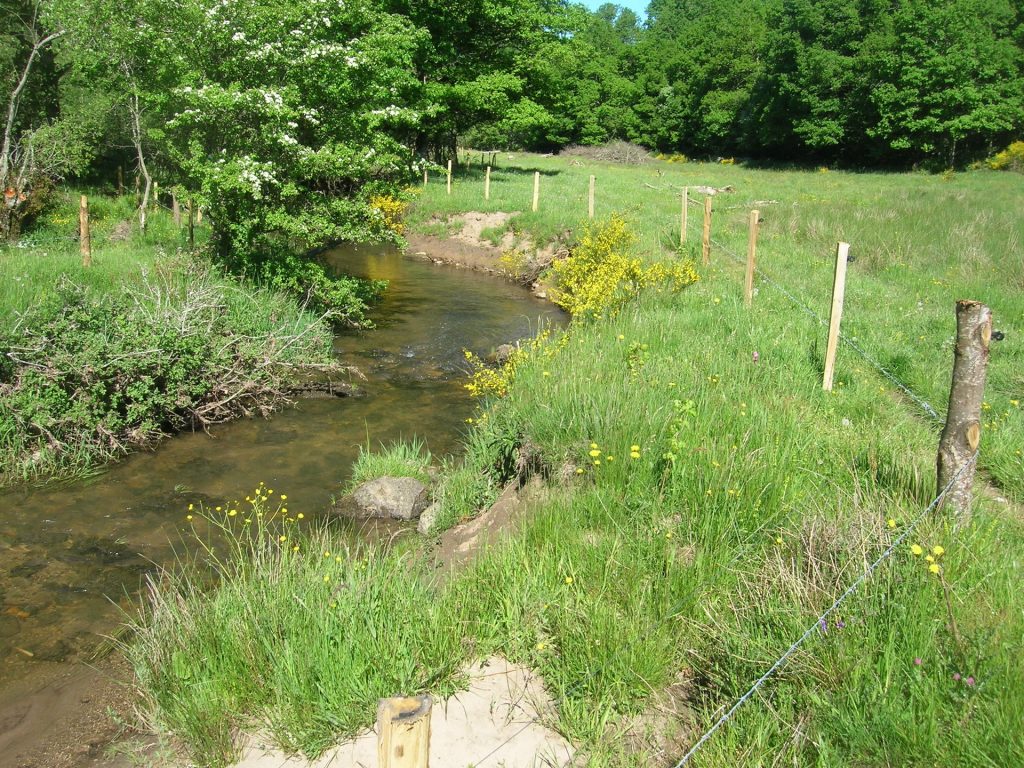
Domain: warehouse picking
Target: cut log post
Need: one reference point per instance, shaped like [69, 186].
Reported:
[536, 190]
[191, 224]
[682, 216]
[487, 183]
[403, 732]
[961, 435]
[838, 293]
[426, 176]
[176, 211]
[120, 181]
[590, 200]
[84, 237]
[748, 283]
[449, 176]
[706, 241]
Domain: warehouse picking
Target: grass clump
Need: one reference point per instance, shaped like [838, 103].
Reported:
[300, 638]
[400, 459]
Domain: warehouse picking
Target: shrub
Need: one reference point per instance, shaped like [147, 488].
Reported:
[598, 277]
[1010, 159]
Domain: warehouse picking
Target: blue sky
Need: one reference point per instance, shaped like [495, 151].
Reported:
[638, 6]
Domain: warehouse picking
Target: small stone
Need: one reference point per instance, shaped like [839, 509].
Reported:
[428, 519]
[847, 423]
[398, 498]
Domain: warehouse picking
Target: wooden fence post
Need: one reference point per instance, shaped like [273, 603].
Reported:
[156, 195]
[706, 241]
[962, 432]
[748, 283]
[590, 202]
[487, 182]
[838, 292]
[536, 190]
[191, 224]
[403, 732]
[199, 215]
[120, 181]
[176, 210]
[449, 176]
[84, 237]
[682, 216]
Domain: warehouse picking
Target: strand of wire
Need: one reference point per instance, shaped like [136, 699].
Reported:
[923, 404]
[822, 620]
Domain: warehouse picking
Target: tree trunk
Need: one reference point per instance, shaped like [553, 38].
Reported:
[962, 433]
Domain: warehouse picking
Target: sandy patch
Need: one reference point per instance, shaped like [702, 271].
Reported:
[497, 723]
[473, 224]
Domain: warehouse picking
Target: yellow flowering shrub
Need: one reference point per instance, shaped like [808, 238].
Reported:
[494, 381]
[392, 211]
[598, 277]
[1010, 159]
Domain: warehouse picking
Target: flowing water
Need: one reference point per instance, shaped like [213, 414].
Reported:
[72, 557]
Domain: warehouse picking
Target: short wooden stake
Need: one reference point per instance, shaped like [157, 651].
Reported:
[838, 293]
[682, 216]
[961, 435]
[84, 238]
[449, 176]
[176, 211]
[156, 195]
[199, 215]
[487, 182]
[706, 240]
[748, 283]
[536, 190]
[120, 181]
[191, 224]
[590, 202]
[403, 732]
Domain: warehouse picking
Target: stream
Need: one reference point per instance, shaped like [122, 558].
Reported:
[73, 556]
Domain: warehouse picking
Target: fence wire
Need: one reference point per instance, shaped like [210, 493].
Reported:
[823, 618]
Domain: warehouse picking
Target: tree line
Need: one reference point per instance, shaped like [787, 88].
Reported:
[286, 120]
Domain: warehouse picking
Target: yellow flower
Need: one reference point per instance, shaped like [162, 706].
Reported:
[188, 517]
[232, 512]
[668, 535]
[547, 373]
[929, 558]
[609, 458]
[284, 497]
[190, 507]
[593, 446]
[300, 516]
[541, 646]
[916, 549]
[282, 537]
[597, 462]
[938, 550]
[295, 548]
[934, 568]
[595, 453]
[891, 523]
[634, 454]
[634, 448]
[218, 509]
[621, 337]
[327, 554]
[327, 578]
[579, 470]
[568, 579]
[778, 540]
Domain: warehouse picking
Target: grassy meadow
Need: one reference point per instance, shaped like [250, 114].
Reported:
[704, 502]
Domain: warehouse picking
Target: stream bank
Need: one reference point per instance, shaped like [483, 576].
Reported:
[74, 555]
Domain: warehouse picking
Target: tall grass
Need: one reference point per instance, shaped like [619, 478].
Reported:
[704, 505]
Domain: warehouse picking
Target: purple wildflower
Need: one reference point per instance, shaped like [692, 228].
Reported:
[970, 681]
[824, 625]
[840, 624]
[918, 662]
[756, 356]
[956, 676]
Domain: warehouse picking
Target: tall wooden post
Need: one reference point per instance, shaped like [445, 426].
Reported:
[120, 181]
[682, 216]
[191, 224]
[961, 435]
[449, 176]
[156, 195]
[838, 293]
[536, 190]
[84, 237]
[403, 732]
[748, 283]
[199, 215]
[487, 183]
[176, 210]
[590, 201]
[706, 240]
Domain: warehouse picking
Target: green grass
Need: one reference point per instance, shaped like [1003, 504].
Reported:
[147, 340]
[399, 459]
[752, 500]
